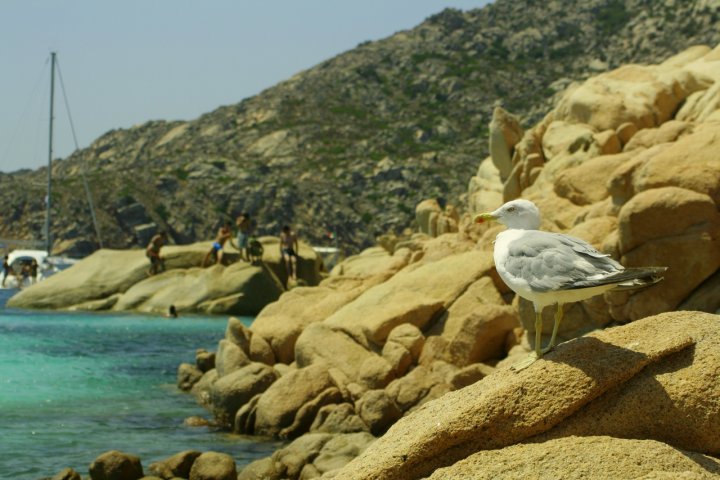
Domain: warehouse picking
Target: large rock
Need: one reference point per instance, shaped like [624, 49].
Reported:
[213, 466]
[414, 295]
[281, 322]
[377, 410]
[322, 344]
[485, 189]
[701, 106]
[187, 376]
[374, 261]
[100, 275]
[562, 139]
[669, 353]
[230, 392]
[201, 389]
[410, 337]
[280, 408]
[671, 227]
[118, 279]
[504, 133]
[574, 183]
[691, 163]
[178, 465]
[229, 357]
[584, 457]
[475, 326]
[646, 96]
[116, 465]
[240, 289]
[528, 160]
[427, 213]
[418, 386]
[665, 133]
[704, 62]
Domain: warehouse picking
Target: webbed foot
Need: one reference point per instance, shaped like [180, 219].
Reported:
[526, 362]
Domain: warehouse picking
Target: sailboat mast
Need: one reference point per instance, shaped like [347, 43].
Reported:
[48, 201]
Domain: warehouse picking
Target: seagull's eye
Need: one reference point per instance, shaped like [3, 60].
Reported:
[511, 209]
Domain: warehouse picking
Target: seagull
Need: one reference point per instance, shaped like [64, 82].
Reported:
[553, 268]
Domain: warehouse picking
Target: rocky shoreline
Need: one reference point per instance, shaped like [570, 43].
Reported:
[396, 366]
[117, 280]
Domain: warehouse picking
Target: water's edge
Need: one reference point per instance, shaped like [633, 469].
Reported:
[75, 385]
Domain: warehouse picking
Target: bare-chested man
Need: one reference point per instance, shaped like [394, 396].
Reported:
[153, 252]
[224, 233]
[288, 251]
[244, 226]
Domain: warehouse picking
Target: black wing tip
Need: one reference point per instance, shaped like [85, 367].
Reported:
[641, 277]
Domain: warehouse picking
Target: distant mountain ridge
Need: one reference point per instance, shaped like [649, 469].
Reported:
[351, 145]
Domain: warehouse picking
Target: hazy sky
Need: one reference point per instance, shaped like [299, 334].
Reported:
[126, 62]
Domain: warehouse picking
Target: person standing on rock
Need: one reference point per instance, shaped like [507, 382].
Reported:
[7, 269]
[153, 252]
[288, 251]
[33, 271]
[244, 226]
[224, 233]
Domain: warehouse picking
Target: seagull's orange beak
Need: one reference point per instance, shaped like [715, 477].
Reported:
[484, 217]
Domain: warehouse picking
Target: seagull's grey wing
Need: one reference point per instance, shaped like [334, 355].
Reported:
[552, 261]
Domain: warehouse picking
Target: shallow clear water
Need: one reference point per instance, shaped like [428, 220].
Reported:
[75, 385]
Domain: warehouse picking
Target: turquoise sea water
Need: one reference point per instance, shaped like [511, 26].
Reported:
[75, 385]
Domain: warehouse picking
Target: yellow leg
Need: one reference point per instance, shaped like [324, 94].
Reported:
[556, 327]
[538, 333]
[523, 364]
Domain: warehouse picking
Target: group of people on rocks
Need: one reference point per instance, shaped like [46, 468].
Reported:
[28, 271]
[250, 249]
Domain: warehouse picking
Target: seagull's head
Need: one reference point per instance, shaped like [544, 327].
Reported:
[521, 214]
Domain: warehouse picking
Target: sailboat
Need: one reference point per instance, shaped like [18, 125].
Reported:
[31, 265]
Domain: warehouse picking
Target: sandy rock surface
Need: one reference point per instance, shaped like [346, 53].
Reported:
[509, 407]
[584, 457]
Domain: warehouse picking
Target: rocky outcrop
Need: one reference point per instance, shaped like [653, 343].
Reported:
[404, 356]
[433, 219]
[650, 200]
[118, 280]
[412, 342]
[351, 354]
[308, 457]
[602, 384]
[568, 458]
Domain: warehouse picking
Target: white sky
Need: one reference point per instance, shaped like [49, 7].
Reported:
[126, 62]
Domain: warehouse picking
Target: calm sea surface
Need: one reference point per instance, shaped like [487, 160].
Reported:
[74, 385]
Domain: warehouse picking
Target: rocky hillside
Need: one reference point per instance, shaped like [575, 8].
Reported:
[351, 145]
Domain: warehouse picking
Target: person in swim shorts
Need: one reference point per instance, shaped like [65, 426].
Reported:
[244, 226]
[288, 251]
[224, 233]
[153, 253]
